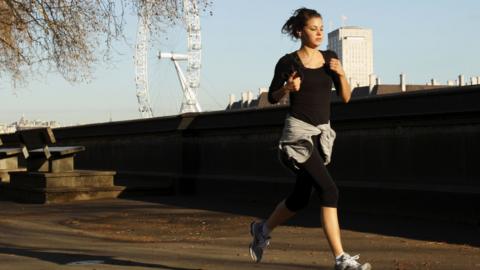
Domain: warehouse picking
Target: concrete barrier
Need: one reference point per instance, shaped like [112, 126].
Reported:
[424, 142]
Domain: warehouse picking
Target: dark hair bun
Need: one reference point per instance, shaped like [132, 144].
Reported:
[298, 20]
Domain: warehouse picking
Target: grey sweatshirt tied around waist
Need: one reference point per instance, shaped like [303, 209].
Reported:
[296, 141]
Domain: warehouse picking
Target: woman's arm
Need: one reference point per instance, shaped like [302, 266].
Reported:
[343, 86]
[284, 81]
[292, 85]
[276, 95]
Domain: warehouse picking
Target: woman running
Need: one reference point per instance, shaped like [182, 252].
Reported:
[307, 75]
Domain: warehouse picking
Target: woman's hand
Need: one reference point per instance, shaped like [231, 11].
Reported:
[293, 83]
[336, 66]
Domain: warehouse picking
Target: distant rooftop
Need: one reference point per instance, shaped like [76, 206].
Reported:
[352, 27]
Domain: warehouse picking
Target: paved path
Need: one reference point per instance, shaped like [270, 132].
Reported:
[187, 233]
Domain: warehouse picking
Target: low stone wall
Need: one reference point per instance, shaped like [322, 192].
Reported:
[422, 142]
[425, 140]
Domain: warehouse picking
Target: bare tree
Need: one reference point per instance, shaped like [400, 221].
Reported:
[65, 35]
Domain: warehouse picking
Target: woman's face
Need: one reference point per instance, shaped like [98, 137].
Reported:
[312, 32]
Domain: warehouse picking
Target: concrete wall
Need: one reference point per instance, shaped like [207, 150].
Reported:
[235, 145]
[421, 142]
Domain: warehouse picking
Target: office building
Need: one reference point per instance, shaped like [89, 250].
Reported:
[354, 47]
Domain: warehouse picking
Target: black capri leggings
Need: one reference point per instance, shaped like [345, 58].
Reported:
[312, 173]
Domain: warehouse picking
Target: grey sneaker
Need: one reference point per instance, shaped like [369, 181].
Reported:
[259, 242]
[347, 262]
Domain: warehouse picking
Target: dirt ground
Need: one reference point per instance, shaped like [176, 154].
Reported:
[187, 233]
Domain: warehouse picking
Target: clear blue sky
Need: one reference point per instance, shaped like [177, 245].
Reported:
[241, 44]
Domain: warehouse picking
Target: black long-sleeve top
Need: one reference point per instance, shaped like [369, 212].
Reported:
[311, 103]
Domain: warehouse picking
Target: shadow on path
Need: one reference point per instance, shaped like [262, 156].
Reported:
[384, 224]
[63, 258]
